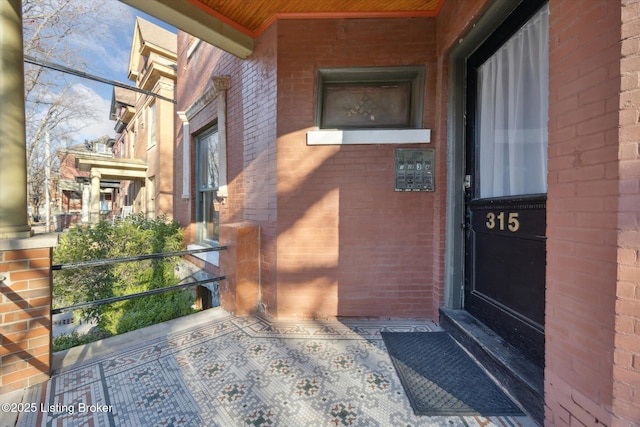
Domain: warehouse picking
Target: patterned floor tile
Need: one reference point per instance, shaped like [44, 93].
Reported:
[246, 371]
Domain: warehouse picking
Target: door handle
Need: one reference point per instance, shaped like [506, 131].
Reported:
[467, 182]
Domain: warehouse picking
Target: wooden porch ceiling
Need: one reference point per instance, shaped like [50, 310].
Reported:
[232, 25]
[254, 16]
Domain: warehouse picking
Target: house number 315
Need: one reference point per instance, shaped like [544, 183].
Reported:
[502, 219]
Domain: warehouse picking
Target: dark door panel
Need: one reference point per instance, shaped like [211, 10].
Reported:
[506, 143]
[509, 255]
[506, 268]
[510, 274]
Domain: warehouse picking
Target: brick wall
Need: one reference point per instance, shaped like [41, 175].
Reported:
[349, 245]
[345, 243]
[250, 139]
[257, 119]
[25, 314]
[626, 356]
[582, 207]
[68, 166]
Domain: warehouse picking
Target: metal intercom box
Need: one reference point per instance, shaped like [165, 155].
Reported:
[414, 169]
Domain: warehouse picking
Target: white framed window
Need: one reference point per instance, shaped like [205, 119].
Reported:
[207, 186]
[217, 93]
[151, 122]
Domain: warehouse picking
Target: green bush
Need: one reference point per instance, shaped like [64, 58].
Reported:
[73, 339]
[135, 235]
[134, 314]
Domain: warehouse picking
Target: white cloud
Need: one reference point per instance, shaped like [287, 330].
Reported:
[102, 41]
[105, 48]
[107, 57]
[100, 106]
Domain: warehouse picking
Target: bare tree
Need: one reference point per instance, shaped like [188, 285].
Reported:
[59, 31]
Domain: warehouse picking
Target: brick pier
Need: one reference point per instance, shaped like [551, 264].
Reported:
[25, 311]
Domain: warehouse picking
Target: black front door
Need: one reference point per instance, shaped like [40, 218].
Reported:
[506, 142]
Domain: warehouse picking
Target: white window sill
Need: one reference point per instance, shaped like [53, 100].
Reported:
[368, 136]
[212, 257]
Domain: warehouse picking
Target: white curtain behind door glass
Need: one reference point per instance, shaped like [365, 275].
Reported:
[513, 112]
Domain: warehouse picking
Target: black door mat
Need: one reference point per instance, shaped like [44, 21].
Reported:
[441, 379]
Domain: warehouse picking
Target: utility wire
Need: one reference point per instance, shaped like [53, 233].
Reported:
[57, 67]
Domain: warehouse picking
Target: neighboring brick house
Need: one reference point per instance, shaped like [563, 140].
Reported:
[73, 184]
[144, 122]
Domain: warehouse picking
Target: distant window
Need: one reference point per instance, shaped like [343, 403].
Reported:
[75, 197]
[101, 148]
[378, 97]
[152, 125]
[207, 181]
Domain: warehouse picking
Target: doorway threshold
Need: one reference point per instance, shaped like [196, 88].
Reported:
[522, 378]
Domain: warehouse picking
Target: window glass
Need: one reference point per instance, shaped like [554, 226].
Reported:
[513, 112]
[370, 97]
[152, 125]
[207, 210]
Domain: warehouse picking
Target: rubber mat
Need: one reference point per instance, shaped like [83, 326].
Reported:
[440, 378]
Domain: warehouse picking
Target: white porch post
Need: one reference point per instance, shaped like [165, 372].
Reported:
[14, 222]
[94, 197]
[86, 199]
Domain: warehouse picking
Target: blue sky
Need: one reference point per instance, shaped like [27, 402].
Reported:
[108, 58]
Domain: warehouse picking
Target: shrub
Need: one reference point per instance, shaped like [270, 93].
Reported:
[137, 313]
[73, 339]
[135, 235]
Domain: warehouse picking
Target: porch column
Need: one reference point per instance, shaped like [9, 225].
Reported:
[94, 197]
[14, 221]
[85, 203]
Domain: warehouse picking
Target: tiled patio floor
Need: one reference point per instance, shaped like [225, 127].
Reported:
[229, 371]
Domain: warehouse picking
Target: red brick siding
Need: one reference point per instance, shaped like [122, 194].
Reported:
[68, 166]
[349, 240]
[25, 318]
[452, 24]
[582, 210]
[258, 122]
[250, 138]
[348, 244]
[626, 357]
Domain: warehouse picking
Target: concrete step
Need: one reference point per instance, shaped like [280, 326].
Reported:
[523, 379]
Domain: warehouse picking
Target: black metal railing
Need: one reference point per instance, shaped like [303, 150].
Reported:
[110, 261]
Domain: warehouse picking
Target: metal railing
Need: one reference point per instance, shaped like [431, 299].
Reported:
[111, 261]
